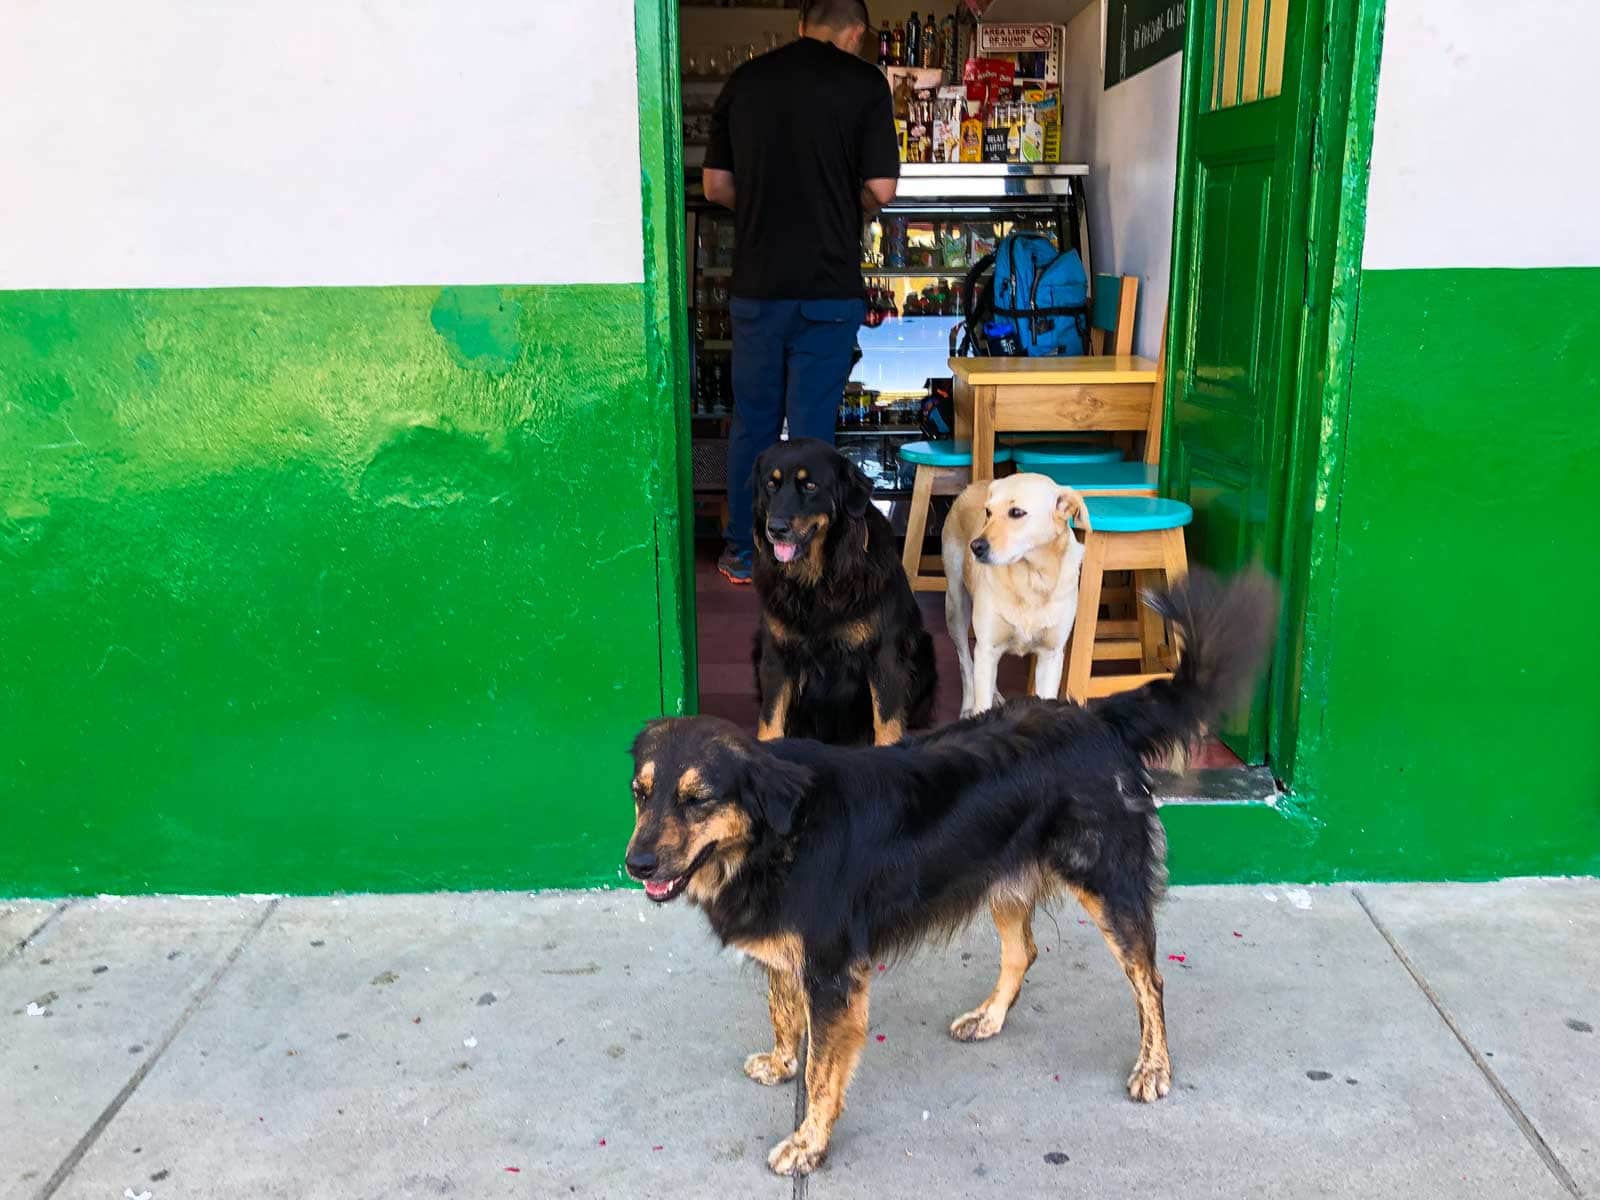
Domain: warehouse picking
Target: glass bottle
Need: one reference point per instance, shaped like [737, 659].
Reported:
[913, 40]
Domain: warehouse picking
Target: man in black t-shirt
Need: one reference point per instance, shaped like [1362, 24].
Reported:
[803, 146]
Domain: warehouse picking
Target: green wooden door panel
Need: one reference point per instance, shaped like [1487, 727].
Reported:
[1236, 302]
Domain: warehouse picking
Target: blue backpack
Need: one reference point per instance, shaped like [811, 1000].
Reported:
[1043, 292]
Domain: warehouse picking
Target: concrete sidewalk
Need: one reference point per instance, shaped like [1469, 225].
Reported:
[1376, 1041]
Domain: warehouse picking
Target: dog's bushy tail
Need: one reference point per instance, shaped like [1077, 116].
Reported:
[1227, 627]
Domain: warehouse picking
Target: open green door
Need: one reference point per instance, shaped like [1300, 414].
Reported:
[1238, 280]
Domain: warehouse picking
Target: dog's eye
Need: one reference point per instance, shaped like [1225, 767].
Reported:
[810, 485]
[695, 799]
[1016, 514]
[987, 514]
[772, 485]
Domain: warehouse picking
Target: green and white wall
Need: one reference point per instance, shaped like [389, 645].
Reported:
[1450, 717]
[338, 503]
[341, 514]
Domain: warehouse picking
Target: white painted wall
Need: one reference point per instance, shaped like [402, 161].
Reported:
[1485, 147]
[1129, 138]
[189, 143]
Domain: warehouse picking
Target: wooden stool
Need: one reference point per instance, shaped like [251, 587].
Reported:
[1127, 533]
[944, 468]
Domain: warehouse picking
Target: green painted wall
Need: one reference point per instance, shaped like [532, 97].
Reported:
[310, 590]
[1453, 727]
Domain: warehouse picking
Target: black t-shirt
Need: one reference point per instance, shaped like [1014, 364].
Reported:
[801, 128]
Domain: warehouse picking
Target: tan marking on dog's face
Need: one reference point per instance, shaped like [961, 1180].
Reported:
[1020, 516]
[687, 793]
[729, 828]
[801, 474]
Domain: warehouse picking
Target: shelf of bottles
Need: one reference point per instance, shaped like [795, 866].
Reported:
[916, 266]
[711, 366]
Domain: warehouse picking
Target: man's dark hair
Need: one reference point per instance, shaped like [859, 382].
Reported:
[835, 14]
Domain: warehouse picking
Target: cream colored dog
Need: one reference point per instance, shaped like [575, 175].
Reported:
[1012, 567]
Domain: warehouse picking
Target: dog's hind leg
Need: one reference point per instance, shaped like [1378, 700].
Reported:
[1130, 933]
[837, 1022]
[958, 624]
[1013, 919]
[786, 1001]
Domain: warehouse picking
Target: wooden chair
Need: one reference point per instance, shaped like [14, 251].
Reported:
[1116, 297]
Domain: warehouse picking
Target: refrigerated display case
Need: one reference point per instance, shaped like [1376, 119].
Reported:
[916, 255]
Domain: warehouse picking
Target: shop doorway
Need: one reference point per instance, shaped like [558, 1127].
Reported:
[1247, 231]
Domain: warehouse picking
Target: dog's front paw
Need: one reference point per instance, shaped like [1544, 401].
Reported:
[976, 1026]
[770, 1069]
[795, 1156]
[1150, 1081]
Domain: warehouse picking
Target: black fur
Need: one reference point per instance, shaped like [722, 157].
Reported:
[822, 656]
[863, 852]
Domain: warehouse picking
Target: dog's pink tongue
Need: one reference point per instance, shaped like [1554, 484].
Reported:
[659, 888]
[784, 550]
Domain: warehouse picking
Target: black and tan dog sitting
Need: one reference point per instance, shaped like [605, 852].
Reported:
[841, 654]
[818, 860]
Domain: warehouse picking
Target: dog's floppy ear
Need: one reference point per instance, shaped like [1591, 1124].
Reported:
[1070, 507]
[772, 790]
[857, 491]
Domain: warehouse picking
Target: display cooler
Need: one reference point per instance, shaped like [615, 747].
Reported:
[915, 257]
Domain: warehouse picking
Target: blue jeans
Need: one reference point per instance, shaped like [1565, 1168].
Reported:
[790, 358]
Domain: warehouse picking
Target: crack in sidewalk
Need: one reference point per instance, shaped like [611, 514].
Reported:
[1521, 1118]
[27, 940]
[87, 1141]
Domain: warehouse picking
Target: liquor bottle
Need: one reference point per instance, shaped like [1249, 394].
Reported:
[947, 48]
[897, 46]
[913, 40]
[885, 46]
[930, 42]
[903, 98]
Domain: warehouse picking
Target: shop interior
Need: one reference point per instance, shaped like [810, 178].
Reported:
[1097, 176]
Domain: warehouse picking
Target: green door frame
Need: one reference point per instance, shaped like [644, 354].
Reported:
[655, 31]
[1335, 135]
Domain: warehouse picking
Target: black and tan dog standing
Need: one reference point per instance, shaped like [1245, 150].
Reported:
[841, 654]
[818, 861]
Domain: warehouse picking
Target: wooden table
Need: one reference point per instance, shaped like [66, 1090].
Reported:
[1055, 395]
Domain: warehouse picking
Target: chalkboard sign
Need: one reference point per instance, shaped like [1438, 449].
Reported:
[1139, 34]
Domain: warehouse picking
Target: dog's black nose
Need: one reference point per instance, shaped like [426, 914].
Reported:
[777, 525]
[641, 864]
[980, 549]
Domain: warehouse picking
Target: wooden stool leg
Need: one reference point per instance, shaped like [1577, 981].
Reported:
[917, 524]
[1175, 563]
[1080, 649]
[1152, 629]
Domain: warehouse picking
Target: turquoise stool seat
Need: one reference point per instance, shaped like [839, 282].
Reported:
[1104, 477]
[1042, 454]
[946, 452]
[1136, 514]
